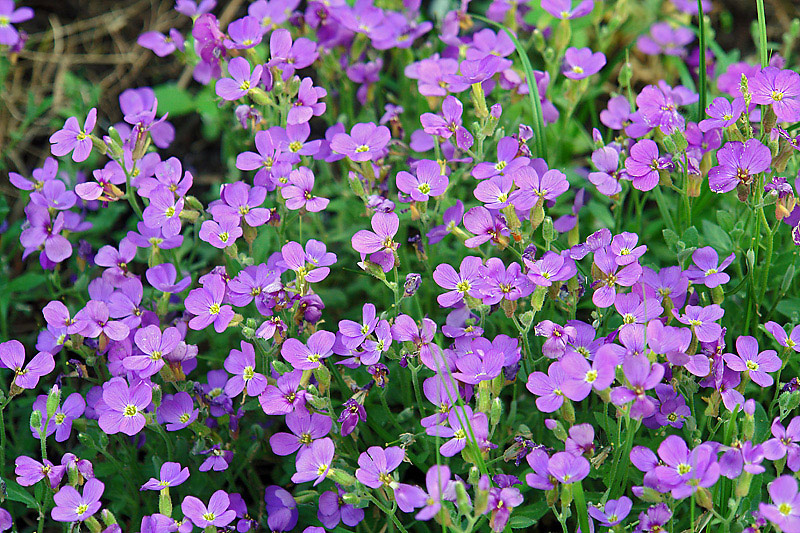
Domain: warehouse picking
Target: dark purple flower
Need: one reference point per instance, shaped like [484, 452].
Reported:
[305, 429]
[707, 269]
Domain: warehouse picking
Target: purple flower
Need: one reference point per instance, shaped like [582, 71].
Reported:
[298, 193]
[685, 470]
[557, 338]
[242, 365]
[466, 282]
[244, 33]
[480, 365]
[568, 468]
[223, 233]
[308, 356]
[206, 304]
[376, 465]
[240, 200]
[72, 506]
[288, 56]
[723, 113]
[789, 341]
[283, 397]
[738, 162]
[452, 218]
[216, 514]
[654, 518]
[784, 512]
[71, 138]
[12, 356]
[703, 321]
[61, 421]
[501, 502]
[314, 463]
[666, 39]
[241, 82]
[154, 346]
[741, 456]
[548, 387]
[6, 522]
[332, 510]
[613, 513]
[190, 8]
[462, 425]
[281, 508]
[305, 429]
[611, 276]
[757, 365]
[162, 277]
[784, 443]
[606, 160]
[125, 406]
[218, 459]
[365, 142]
[641, 378]
[8, 16]
[580, 63]
[449, 123]
[39, 230]
[379, 243]
[162, 45]
[540, 478]
[707, 270]
[508, 161]
[500, 283]
[562, 9]
[780, 89]
[352, 413]
[643, 165]
[439, 485]
[659, 108]
[581, 377]
[485, 226]
[177, 411]
[429, 181]
[269, 153]
[163, 211]
[29, 471]
[170, 475]
[307, 104]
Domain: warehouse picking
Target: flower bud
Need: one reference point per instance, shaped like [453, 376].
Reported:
[412, 284]
[496, 410]
[164, 502]
[281, 367]
[259, 96]
[351, 498]
[36, 420]
[462, 499]
[341, 477]
[53, 400]
[548, 231]
[108, 517]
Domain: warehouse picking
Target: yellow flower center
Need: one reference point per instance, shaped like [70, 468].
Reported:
[214, 309]
[130, 411]
[363, 148]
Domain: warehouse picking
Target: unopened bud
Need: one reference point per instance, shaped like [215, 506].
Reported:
[462, 499]
[341, 477]
[53, 400]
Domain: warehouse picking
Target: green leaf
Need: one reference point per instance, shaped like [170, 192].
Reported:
[717, 237]
[18, 494]
[174, 100]
[691, 238]
[725, 219]
[671, 238]
[520, 522]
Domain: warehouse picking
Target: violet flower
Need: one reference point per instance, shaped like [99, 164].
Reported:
[778, 88]
[241, 82]
[548, 387]
[9, 35]
[305, 429]
[611, 277]
[125, 406]
[641, 378]
[738, 163]
[439, 485]
[379, 243]
[376, 465]
[580, 63]
[707, 270]
[703, 321]
[12, 356]
[428, 181]
[71, 138]
[643, 165]
[562, 9]
[170, 475]
[206, 304]
[332, 510]
[298, 193]
[568, 468]
[242, 365]
[308, 356]
[789, 341]
[465, 283]
[72, 506]
[613, 513]
[315, 463]
[365, 142]
[757, 365]
[283, 397]
[216, 514]
[784, 511]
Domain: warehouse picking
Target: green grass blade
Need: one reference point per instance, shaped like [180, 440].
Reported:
[533, 90]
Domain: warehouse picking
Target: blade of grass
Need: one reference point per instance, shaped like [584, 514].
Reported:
[762, 33]
[701, 75]
[533, 90]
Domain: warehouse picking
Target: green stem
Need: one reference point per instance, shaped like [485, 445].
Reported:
[701, 75]
[762, 33]
[130, 194]
[533, 92]
[580, 506]
[387, 512]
